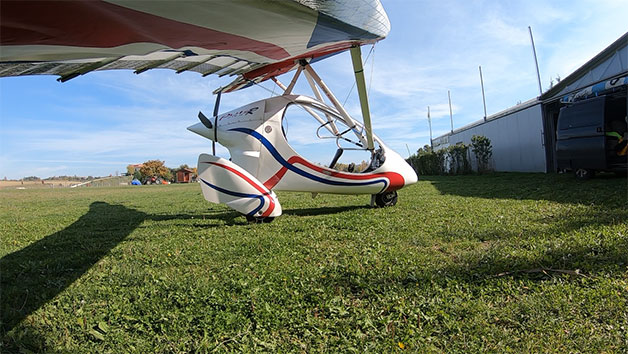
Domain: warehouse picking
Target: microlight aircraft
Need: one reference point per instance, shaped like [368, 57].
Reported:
[253, 41]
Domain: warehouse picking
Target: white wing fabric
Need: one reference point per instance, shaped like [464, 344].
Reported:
[253, 39]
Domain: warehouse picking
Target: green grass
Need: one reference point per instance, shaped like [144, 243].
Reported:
[497, 263]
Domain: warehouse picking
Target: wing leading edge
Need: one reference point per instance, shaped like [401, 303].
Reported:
[253, 40]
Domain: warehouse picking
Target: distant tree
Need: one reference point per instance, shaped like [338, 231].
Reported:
[137, 175]
[425, 150]
[169, 176]
[155, 168]
[130, 170]
[340, 166]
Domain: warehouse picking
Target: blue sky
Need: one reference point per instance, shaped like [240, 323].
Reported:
[98, 123]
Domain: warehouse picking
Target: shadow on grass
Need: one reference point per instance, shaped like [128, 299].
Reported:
[323, 210]
[543, 226]
[34, 275]
[573, 260]
[228, 218]
[606, 189]
[487, 268]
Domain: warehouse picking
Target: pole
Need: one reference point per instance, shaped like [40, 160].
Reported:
[429, 121]
[483, 97]
[409, 154]
[536, 62]
[451, 115]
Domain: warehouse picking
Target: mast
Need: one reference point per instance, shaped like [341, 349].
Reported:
[356, 57]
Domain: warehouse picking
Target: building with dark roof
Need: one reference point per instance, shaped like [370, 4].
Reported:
[524, 136]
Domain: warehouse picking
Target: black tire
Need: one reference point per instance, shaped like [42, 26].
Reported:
[386, 199]
[259, 220]
[622, 173]
[584, 174]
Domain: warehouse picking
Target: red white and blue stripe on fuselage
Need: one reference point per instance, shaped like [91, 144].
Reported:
[391, 181]
[261, 197]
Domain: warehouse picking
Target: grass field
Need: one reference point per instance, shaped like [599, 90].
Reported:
[497, 263]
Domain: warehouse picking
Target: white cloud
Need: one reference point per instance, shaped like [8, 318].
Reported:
[496, 28]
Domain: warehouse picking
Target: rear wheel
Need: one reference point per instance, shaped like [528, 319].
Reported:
[621, 173]
[259, 220]
[386, 199]
[584, 174]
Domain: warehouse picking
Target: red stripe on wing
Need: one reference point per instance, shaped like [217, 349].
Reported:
[97, 24]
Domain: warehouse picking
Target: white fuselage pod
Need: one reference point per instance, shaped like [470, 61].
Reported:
[254, 137]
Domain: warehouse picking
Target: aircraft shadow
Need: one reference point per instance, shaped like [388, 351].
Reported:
[228, 218]
[323, 210]
[35, 274]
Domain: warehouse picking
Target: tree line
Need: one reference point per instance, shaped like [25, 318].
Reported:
[156, 169]
[454, 159]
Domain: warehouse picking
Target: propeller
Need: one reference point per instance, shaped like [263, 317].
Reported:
[216, 106]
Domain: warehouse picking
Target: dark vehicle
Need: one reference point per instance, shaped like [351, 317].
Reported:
[592, 136]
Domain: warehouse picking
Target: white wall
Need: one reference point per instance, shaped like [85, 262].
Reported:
[517, 140]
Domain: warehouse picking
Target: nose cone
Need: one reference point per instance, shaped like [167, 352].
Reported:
[202, 130]
[396, 163]
[406, 171]
[409, 176]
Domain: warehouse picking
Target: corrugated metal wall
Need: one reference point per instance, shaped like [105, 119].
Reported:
[517, 140]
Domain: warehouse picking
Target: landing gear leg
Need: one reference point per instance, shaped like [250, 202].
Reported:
[384, 199]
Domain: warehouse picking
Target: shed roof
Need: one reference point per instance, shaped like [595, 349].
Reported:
[609, 63]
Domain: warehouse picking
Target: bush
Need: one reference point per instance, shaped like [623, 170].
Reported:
[453, 160]
[458, 155]
[483, 151]
[427, 162]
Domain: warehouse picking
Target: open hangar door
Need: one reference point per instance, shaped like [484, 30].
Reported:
[585, 130]
[603, 75]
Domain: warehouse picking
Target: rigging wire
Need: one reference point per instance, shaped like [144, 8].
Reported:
[353, 86]
[272, 94]
[303, 108]
[372, 66]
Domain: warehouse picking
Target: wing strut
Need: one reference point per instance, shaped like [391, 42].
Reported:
[356, 57]
[347, 118]
[319, 97]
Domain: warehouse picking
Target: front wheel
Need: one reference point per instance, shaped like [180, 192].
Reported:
[386, 199]
[584, 174]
